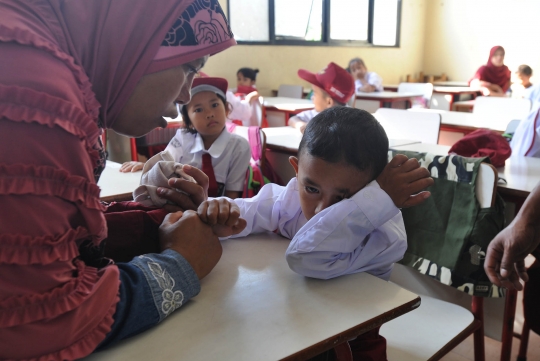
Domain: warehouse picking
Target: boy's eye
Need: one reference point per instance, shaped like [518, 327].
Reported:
[311, 189]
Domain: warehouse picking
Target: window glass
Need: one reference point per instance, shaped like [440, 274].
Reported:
[349, 19]
[249, 20]
[298, 19]
[385, 22]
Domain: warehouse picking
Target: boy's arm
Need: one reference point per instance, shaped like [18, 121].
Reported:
[362, 234]
[297, 123]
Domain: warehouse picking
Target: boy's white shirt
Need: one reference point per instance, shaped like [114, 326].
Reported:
[307, 115]
[364, 233]
[526, 138]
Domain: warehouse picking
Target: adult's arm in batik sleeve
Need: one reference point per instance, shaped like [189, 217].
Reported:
[364, 233]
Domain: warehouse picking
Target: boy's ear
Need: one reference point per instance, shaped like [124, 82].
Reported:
[330, 103]
[294, 163]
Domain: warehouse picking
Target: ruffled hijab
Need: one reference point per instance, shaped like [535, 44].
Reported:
[119, 41]
[499, 75]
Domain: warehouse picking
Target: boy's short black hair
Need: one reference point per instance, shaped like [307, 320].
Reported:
[188, 126]
[525, 70]
[349, 135]
[248, 73]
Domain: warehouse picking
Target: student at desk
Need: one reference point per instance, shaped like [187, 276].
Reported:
[365, 81]
[244, 97]
[69, 70]
[332, 87]
[341, 211]
[493, 79]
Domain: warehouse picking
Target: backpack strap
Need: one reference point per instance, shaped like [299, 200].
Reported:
[254, 138]
[230, 127]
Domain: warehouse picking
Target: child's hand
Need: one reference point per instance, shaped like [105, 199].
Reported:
[131, 167]
[223, 216]
[404, 180]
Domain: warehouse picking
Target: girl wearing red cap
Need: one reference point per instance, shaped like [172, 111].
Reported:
[493, 78]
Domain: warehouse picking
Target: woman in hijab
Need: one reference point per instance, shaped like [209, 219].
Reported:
[494, 77]
[69, 70]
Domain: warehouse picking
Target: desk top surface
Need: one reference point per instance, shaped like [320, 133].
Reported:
[288, 139]
[452, 83]
[388, 95]
[115, 185]
[454, 89]
[470, 120]
[291, 104]
[522, 174]
[253, 307]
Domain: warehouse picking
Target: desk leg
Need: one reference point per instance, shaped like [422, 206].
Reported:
[287, 117]
[508, 325]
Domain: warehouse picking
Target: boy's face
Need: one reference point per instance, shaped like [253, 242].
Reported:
[525, 79]
[321, 99]
[322, 184]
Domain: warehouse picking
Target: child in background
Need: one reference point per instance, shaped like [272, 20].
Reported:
[332, 87]
[244, 97]
[206, 144]
[526, 139]
[341, 211]
[524, 88]
[365, 81]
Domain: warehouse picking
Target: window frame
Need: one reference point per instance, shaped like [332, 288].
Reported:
[325, 36]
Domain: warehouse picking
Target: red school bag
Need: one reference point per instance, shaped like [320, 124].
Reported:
[483, 143]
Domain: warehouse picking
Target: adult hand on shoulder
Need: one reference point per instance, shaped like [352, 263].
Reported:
[404, 181]
[505, 256]
[185, 233]
[195, 193]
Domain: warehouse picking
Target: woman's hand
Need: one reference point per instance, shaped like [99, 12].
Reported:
[131, 167]
[194, 193]
[185, 233]
[404, 181]
[223, 216]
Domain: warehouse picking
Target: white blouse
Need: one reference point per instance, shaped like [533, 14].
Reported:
[230, 156]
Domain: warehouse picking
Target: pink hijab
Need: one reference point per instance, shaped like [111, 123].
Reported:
[118, 41]
[499, 75]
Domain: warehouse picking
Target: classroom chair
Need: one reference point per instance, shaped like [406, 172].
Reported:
[437, 326]
[423, 88]
[501, 111]
[403, 124]
[290, 91]
[512, 126]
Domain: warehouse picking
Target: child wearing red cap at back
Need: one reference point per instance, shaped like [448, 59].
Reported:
[205, 143]
[332, 87]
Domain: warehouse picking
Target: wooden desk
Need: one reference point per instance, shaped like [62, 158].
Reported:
[444, 97]
[253, 307]
[372, 101]
[464, 106]
[284, 107]
[116, 186]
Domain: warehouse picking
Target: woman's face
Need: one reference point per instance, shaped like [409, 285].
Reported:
[498, 58]
[155, 97]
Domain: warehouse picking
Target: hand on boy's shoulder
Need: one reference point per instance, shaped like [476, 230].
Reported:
[404, 181]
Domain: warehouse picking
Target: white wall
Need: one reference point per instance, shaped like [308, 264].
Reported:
[460, 33]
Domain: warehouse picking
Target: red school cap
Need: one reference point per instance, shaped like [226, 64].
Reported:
[216, 85]
[333, 79]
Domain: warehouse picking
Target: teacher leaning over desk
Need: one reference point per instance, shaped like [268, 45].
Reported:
[70, 69]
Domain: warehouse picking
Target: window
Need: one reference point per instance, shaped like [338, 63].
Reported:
[316, 22]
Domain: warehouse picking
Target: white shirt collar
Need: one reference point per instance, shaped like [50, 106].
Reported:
[216, 149]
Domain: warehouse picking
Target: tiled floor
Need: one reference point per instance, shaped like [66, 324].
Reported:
[465, 351]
